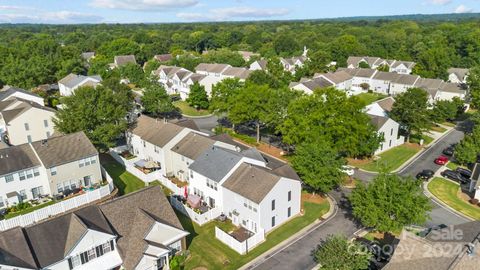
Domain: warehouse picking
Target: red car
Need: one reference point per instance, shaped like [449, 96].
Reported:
[441, 160]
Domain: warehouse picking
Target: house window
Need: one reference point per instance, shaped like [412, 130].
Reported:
[29, 174]
[75, 261]
[53, 171]
[8, 178]
[273, 204]
[390, 143]
[174, 247]
[273, 221]
[155, 149]
[106, 248]
[1, 202]
[289, 211]
[29, 138]
[144, 144]
[391, 132]
[87, 180]
[59, 188]
[289, 196]
[36, 172]
[91, 254]
[93, 160]
[23, 195]
[45, 123]
[48, 134]
[21, 175]
[87, 161]
[37, 191]
[81, 163]
[27, 127]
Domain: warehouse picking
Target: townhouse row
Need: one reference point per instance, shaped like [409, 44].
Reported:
[256, 192]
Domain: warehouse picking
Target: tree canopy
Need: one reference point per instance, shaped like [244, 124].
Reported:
[411, 110]
[198, 97]
[156, 101]
[337, 253]
[100, 112]
[390, 202]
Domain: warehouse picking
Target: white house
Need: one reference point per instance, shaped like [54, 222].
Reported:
[136, 231]
[122, 60]
[7, 92]
[441, 90]
[308, 86]
[71, 82]
[259, 65]
[475, 183]
[400, 67]
[402, 83]
[361, 79]
[386, 127]
[23, 121]
[47, 167]
[340, 79]
[458, 75]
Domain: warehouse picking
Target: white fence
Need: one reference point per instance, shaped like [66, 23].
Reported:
[147, 178]
[200, 219]
[240, 247]
[60, 207]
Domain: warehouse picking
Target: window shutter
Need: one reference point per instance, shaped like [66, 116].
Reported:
[82, 258]
[70, 265]
[97, 250]
[112, 245]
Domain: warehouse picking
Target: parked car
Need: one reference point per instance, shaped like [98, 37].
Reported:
[378, 253]
[464, 172]
[425, 174]
[448, 151]
[453, 175]
[348, 170]
[441, 160]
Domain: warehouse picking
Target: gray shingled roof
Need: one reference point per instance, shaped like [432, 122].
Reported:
[14, 249]
[216, 162]
[252, 182]
[337, 77]
[211, 68]
[158, 132]
[8, 91]
[378, 121]
[64, 149]
[459, 72]
[122, 60]
[386, 103]
[24, 106]
[163, 57]
[16, 158]
[73, 80]
[317, 83]
[193, 145]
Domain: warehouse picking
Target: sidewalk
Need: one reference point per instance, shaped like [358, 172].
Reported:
[292, 239]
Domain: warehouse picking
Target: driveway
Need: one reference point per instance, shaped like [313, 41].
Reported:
[297, 255]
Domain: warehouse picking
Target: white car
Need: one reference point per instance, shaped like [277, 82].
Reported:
[348, 170]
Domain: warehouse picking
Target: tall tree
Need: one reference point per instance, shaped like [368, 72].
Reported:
[390, 202]
[99, 112]
[411, 110]
[319, 165]
[224, 94]
[330, 115]
[198, 97]
[444, 110]
[473, 82]
[156, 101]
[337, 253]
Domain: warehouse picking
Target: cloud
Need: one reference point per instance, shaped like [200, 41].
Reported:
[59, 17]
[463, 9]
[439, 2]
[221, 14]
[143, 5]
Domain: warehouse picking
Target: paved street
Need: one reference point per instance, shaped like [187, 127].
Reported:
[297, 255]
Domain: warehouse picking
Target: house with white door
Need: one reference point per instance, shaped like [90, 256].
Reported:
[136, 231]
[71, 82]
[23, 121]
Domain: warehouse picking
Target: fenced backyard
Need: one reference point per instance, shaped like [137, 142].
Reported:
[242, 247]
[60, 207]
[198, 218]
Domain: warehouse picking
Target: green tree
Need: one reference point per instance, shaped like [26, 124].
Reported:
[337, 253]
[466, 151]
[390, 202]
[198, 97]
[319, 165]
[363, 64]
[133, 73]
[444, 110]
[328, 114]
[224, 94]
[473, 82]
[411, 110]
[156, 101]
[99, 112]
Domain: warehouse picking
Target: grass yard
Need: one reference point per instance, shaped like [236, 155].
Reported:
[449, 124]
[28, 210]
[447, 192]
[453, 166]
[206, 251]
[123, 180]
[438, 129]
[414, 138]
[368, 98]
[389, 160]
[188, 110]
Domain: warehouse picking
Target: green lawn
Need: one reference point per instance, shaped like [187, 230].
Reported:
[188, 110]
[414, 138]
[438, 129]
[452, 165]
[368, 98]
[447, 191]
[389, 160]
[209, 252]
[123, 180]
[28, 210]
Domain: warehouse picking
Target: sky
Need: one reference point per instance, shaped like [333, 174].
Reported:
[152, 11]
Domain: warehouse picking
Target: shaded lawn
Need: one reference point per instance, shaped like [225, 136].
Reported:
[188, 110]
[368, 98]
[438, 129]
[389, 160]
[414, 138]
[123, 180]
[452, 165]
[209, 252]
[447, 192]
[29, 210]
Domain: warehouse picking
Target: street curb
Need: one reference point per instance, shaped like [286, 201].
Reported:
[441, 203]
[414, 157]
[295, 237]
[197, 117]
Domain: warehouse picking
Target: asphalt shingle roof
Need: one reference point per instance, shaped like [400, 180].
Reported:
[193, 145]
[216, 162]
[16, 158]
